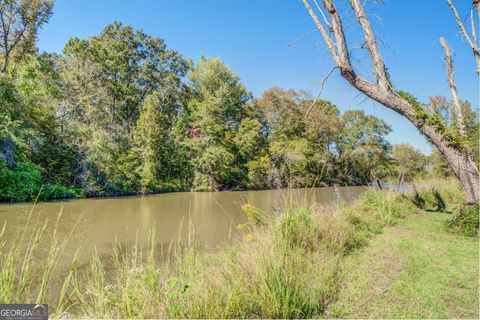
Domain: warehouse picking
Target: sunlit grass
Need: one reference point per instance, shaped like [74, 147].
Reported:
[414, 270]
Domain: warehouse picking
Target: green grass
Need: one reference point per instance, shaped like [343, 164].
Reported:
[413, 270]
[379, 257]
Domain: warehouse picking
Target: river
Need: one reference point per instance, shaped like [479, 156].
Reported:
[208, 217]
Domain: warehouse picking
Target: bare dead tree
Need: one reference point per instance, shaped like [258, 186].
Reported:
[456, 153]
[453, 87]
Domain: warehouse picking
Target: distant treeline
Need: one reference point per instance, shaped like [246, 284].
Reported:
[121, 113]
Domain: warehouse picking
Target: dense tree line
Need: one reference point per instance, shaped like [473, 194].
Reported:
[121, 113]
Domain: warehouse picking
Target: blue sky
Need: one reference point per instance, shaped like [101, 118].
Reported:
[272, 43]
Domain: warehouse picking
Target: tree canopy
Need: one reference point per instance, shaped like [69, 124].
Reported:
[121, 113]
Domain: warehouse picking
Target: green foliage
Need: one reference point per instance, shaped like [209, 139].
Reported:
[120, 113]
[109, 76]
[24, 183]
[364, 153]
[447, 197]
[439, 166]
[215, 127]
[434, 119]
[376, 210]
[20, 183]
[441, 197]
[21, 21]
[156, 157]
[300, 146]
[466, 221]
[408, 163]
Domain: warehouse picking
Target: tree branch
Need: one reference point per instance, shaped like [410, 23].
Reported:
[341, 44]
[472, 26]
[326, 37]
[342, 60]
[463, 30]
[453, 88]
[5, 43]
[321, 11]
[321, 90]
[476, 4]
[378, 64]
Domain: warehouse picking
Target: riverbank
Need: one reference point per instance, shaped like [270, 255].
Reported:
[298, 263]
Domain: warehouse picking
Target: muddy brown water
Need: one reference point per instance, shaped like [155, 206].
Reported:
[96, 224]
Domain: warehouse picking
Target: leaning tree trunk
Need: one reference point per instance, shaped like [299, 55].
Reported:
[458, 157]
[466, 171]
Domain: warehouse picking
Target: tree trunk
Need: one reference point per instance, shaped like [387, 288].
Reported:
[466, 171]
[400, 181]
[458, 159]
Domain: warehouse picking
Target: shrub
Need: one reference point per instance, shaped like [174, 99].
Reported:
[24, 182]
[466, 221]
[57, 191]
[21, 183]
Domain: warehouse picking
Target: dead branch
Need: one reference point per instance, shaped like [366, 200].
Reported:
[476, 4]
[473, 44]
[321, 11]
[378, 64]
[341, 57]
[453, 87]
[322, 84]
[472, 26]
[326, 37]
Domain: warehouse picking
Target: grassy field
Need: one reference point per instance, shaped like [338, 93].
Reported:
[416, 269]
[386, 255]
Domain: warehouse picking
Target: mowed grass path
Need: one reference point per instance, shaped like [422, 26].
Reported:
[415, 269]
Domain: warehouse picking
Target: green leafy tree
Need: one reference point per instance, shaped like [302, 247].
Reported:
[38, 85]
[408, 162]
[106, 79]
[214, 118]
[156, 153]
[445, 110]
[437, 165]
[363, 149]
[19, 24]
[301, 135]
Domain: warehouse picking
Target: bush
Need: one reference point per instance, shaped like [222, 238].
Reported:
[448, 197]
[58, 191]
[21, 183]
[24, 182]
[466, 221]
[375, 210]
